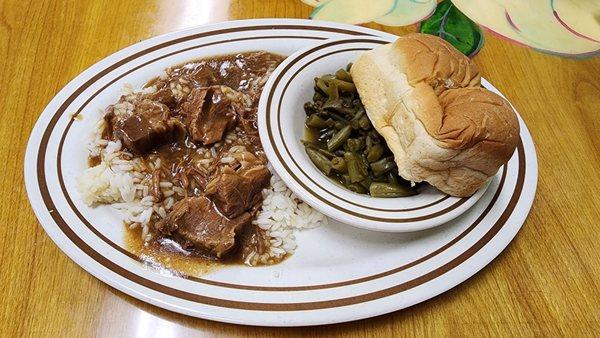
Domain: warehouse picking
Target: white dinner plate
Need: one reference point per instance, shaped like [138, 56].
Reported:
[281, 120]
[338, 273]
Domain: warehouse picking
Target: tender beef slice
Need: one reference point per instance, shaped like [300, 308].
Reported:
[209, 113]
[204, 76]
[149, 127]
[253, 240]
[195, 223]
[111, 120]
[165, 96]
[235, 192]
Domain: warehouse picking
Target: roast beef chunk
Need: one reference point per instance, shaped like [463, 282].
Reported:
[235, 192]
[165, 96]
[253, 243]
[195, 223]
[209, 113]
[149, 127]
[204, 76]
[111, 119]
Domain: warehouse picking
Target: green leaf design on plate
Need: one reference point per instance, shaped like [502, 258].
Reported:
[452, 25]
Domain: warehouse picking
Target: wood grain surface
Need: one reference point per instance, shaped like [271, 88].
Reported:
[545, 283]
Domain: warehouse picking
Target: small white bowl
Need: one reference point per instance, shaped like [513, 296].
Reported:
[281, 125]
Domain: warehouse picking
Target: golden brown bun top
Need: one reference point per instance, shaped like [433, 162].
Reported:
[427, 58]
[474, 114]
[449, 100]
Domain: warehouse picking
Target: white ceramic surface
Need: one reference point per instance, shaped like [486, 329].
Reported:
[281, 125]
[338, 273]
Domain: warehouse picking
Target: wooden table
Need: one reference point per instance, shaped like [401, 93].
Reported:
[544, 283]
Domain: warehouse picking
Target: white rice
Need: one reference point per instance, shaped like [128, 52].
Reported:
[281, 214]
[123, 182]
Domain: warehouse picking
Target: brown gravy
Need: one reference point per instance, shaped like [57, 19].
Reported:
[181, 160]
[167, 256]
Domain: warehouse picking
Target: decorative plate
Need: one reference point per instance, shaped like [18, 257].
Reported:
[338, 273]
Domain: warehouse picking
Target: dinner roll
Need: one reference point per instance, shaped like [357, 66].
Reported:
[425, 98]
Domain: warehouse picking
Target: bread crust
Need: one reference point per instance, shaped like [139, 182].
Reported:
[425, 98]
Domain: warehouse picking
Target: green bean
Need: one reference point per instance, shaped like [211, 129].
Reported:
[338, 125]
[322, 162]
[339, 165]
[392, 178]
[332, 90]
[314, 146]
[332, 104]
[356, 170]
[339, 107]
[357, 188]
[349, 67]
[382, 166]
[315, 121]
[380, 189]
[320, 84]
[355, 144]
[358, 104]
[375, 152]
[317, 96]
[344, 86]
[355, 120]
[310, 108]
[339, 138]
[365, 123]
[366, 183]
[343, 75]
[338, 118]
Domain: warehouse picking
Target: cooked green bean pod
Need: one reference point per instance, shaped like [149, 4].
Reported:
[338, 139]
[375, 152]
[355, 144]
[320, 160]
[322, 85]
[339, 164]
[337, 117]
[365, 123]
[343, 75]
[356, 170]
[310, 108]
[324, 152]
[392, 178]
[357, 188]
[366, 183]
[381, 189]
[315, 121]
[344, 86]
[383, 166]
